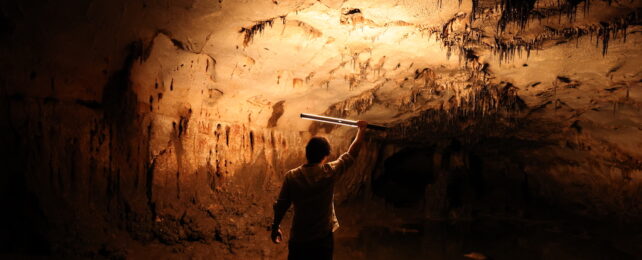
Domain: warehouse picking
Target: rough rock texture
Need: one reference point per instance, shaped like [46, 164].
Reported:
[163, 128]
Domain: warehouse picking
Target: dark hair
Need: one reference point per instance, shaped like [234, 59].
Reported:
[317, 149]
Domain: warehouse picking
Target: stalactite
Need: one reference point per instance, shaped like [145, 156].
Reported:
[569, 9]
[506, 49]
[258, 27]
[473, 11]
[616, 29]
[484, 106]
[480, 101]
[521, 12]
[515, 11]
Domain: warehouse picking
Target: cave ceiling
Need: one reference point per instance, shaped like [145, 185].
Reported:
[387, 61]
[264, 62]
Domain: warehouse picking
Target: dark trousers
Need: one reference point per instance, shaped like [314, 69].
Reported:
[318, 249]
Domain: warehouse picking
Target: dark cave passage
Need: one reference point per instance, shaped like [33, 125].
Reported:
[474, 201]
[457, 179]
[405, 176]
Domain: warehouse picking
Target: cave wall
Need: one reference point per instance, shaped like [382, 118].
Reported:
[135, 122]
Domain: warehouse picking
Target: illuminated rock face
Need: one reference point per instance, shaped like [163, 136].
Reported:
[134, 122]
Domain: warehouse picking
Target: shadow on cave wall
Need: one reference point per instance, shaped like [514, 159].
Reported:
[405, 176]
[43, 182]
[451, 179]
[448, 198]
[23, 222]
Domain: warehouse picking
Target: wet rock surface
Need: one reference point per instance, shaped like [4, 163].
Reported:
[162, 129]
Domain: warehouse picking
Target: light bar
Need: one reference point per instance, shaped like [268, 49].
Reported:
[338, 121]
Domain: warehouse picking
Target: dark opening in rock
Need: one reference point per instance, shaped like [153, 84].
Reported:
[405, 176]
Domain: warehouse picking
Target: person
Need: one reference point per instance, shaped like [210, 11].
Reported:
[310, 187]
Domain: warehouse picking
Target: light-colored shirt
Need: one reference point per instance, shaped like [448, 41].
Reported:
[311, 190]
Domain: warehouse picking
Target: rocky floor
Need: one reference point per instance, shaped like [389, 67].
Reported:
[539, 236]
[389, 233]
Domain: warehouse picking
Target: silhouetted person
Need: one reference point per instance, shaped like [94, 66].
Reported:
[310, 188]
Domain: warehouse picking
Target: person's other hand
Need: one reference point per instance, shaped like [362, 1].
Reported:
[277, 236]
[362, 124]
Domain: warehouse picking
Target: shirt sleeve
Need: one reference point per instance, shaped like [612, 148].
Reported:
[282, 203]
[341, 164]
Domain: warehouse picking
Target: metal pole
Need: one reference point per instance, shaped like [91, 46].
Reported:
[338, 121]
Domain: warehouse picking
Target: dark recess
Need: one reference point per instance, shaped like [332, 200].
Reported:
[353, 11]
[405, 177]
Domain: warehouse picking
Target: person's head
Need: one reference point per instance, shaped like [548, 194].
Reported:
[317, 150]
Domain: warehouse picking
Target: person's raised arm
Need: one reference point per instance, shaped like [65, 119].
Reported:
[356, 143]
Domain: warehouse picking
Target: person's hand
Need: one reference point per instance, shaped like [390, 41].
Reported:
[277, 236]
[362, 124]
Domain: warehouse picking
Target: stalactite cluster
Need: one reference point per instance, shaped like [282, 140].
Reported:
[257, 28]
[522, 12]
[515, 11]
